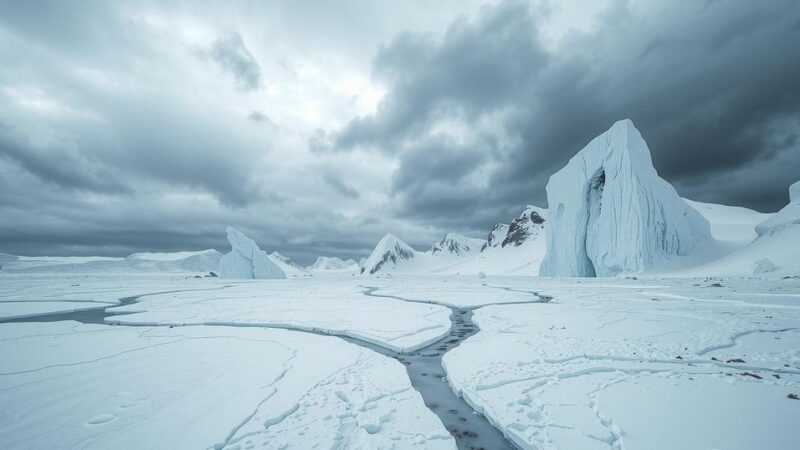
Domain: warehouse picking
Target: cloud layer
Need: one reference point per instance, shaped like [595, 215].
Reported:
[151, 125]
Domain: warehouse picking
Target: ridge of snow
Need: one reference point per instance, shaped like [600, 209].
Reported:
[788, 216]
[331, 263]
[730, 223]
[611, 214]
[246, 260]
[173, 256]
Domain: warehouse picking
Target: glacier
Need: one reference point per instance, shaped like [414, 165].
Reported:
[611, 214]
[246, 260]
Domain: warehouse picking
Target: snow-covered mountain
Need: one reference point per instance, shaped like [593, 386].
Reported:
[510, 249]
[333, 264]
[457, 245]
[611, 214]
[389, 253]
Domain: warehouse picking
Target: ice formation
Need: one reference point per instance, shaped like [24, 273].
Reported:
[246, 260]
[610, 212]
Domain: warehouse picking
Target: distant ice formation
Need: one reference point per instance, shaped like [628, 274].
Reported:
[610, 212]
[246, 260]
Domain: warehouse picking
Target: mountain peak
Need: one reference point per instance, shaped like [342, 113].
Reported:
[457, 244]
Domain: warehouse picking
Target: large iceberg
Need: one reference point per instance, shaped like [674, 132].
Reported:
[610, 212]
[246, 260]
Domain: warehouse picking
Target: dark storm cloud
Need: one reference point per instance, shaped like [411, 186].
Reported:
[340, 186]
[709, 85]
[56, 162]
[433, 182]
[474, 69]
[229, 51]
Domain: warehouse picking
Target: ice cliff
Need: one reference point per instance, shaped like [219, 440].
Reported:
[610, 212]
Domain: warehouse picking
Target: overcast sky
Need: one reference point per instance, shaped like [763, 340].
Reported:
[318, 126]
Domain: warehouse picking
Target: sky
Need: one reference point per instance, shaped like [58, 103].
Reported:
[316, 127]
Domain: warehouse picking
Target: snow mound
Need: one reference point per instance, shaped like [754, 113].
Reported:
[730, 223]
[458, 245]
[329, 264]
[611, 214]
[787, 217]
[246, 259]
[775, 252]
[387, 254]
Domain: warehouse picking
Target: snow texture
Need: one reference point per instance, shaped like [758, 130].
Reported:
[611, 214]
[639, 364]
[246, 260]
[70, 385]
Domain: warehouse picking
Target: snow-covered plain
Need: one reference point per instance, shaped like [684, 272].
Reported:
[204, 363]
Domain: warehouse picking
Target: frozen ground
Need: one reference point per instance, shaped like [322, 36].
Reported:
[639, 364]
[202, 362]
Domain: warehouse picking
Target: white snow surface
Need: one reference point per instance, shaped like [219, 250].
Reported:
[610, 213]
[654, 364]
[321, 304]
[69, 385]
[606, 363]
[246, 260]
